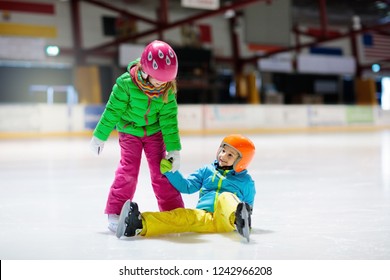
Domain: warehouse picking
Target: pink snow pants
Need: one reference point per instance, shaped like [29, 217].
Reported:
[126, 175]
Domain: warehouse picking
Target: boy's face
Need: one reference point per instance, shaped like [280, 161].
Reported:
[227, 156]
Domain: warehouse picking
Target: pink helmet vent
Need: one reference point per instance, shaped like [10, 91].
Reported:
[159, 61]
[155, 65]
[160, 54]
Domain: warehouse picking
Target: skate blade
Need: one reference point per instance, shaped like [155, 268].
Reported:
[245, 217]
[120, 231]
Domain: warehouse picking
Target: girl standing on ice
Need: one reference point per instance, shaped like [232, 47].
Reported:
[143, 108]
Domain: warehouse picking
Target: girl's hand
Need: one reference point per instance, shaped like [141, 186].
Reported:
[96, 145]
[174, 157]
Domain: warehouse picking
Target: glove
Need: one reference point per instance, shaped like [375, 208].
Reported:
[174, 157]
[96, 145]
[165, 166]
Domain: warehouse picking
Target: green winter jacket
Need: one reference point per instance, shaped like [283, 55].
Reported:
[133, 112]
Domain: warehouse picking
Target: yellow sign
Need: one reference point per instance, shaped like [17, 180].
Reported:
[15, 29]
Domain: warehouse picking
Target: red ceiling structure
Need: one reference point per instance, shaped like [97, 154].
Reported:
[162, 23]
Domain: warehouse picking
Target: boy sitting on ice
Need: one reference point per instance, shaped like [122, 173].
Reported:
[226, 197]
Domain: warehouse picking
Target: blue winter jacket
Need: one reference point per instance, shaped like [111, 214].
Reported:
[210, 182]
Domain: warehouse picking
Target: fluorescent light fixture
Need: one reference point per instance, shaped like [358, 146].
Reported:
[52, 50]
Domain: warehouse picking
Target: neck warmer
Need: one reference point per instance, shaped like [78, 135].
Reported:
[144, 85]
[224, 167]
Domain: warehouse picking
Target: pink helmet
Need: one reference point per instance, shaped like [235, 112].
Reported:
[159, 61]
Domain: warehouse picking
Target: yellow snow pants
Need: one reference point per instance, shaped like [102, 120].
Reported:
[193, 220]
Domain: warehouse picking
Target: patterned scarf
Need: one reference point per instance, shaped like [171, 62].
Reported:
[144, 85]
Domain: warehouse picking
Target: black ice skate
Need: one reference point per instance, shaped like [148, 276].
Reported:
[130, 221]
[243, 219]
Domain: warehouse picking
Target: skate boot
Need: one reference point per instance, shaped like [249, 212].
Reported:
[113, 222]
[130, 221]
[243, 219]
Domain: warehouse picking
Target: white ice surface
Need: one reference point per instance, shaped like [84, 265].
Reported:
[319, 197]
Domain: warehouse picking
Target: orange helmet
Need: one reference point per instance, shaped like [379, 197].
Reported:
[244, 147]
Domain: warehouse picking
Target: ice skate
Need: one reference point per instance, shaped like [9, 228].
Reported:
[113, 222]
[130, 221]
[243, 219]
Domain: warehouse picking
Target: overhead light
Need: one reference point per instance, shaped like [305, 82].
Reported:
[52, 50]
[381, 5]
[356, 23]
[230, 13]
[376, 68]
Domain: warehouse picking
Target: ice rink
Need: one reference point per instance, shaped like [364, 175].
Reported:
[320, 196]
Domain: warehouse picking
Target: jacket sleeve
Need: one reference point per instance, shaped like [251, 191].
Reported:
[169, 124]
[189, 185]
[115, 107]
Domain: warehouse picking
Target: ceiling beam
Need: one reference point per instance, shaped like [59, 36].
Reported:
[160, 28]
[378, 27]
[121, 11]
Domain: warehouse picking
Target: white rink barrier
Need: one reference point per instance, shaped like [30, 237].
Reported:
[57, 119]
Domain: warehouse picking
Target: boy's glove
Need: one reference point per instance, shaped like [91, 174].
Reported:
[174, 157]
[165, 166]
[96, 145]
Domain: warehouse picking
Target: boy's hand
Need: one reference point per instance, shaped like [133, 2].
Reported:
[165, 166]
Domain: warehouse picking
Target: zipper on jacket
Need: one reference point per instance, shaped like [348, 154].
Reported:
[129, 123]
[146, 116]
[219, 186]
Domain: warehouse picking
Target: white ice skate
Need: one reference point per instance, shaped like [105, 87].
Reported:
[113, 222]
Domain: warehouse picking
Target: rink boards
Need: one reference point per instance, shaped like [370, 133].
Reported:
[59, 119]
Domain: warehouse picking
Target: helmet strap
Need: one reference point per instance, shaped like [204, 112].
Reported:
[143, 75]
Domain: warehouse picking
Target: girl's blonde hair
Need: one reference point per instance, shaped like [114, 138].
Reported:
[171, 86]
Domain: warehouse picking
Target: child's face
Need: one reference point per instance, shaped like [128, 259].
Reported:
[227, 156]
[155, 83]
